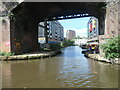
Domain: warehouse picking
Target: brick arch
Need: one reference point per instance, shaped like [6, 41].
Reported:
[29, 14]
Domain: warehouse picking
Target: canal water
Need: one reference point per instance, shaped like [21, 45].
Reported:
[68, 70]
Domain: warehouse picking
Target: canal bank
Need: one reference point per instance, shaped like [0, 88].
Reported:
[97, 57]
[34, 55]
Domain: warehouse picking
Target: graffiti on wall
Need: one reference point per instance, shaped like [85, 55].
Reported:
[7, 44]
[17, 44]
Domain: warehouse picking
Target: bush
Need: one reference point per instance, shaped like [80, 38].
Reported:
[1, 53]
[6, 54]
[111, 48]
[66, 43]
[9, 54]
[55, 46]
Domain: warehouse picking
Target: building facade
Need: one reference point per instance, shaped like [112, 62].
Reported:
[93, 31]
[70, 34]
[41, 32]
[55, 32]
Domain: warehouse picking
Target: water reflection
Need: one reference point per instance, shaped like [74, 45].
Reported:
[70, 69]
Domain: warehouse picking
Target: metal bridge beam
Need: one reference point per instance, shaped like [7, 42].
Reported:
[69, 17]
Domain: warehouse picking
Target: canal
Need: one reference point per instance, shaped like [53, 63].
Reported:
[68, 70]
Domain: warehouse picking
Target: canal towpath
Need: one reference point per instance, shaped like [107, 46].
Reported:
[33, 55]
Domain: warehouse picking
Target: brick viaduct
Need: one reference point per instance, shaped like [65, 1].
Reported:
[19, 29]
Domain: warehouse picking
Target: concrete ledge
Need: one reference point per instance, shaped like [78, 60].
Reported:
[12, 58]
[22, 57]
[29, 56]
[3, 58]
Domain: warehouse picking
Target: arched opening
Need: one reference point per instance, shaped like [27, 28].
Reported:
[25, 24]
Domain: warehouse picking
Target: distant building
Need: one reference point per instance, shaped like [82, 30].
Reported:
[70, 34]
[80, 41]
[41, 33]
[93, 31]
[55, 32]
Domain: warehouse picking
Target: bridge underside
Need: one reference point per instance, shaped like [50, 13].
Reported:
[27, 15]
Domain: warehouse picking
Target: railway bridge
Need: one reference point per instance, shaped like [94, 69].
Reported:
[19, 32]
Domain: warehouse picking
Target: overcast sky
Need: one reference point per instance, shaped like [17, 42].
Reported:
[79, 25]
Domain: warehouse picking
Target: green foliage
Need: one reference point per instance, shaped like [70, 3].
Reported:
[102, 6]
[55, 46]
[1, 53]
[6, 54]
[78, 37]
[11, 15]
[9, 54]
[66, 43]
[111, 48]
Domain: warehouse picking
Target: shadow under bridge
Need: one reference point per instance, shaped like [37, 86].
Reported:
[24, 28]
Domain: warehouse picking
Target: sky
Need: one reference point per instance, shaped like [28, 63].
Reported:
[79, 25]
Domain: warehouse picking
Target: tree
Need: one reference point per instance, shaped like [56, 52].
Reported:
[66, 43]
[111, 48]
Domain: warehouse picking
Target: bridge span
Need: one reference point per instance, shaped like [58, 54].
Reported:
[23, 24]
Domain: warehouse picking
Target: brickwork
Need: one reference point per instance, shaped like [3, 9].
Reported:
[112, 22]
[4, 31]
[5, 35]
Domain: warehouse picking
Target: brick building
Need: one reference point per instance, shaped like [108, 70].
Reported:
[70, 34]
[93, 31]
